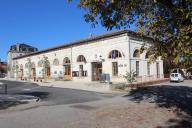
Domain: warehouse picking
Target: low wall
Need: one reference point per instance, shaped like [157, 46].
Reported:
[148, 83]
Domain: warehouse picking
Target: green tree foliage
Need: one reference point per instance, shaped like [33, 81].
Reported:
[130, 76]
[168, 22]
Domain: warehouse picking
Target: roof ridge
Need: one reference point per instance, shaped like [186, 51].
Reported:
[97, 37]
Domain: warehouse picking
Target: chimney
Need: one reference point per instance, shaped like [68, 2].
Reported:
[17, 47]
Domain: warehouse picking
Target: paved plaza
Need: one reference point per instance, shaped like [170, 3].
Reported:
[166, 105]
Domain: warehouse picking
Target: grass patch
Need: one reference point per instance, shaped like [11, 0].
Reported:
[119, 86]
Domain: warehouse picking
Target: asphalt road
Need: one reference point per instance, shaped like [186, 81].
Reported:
[134, 110]
[53, 95]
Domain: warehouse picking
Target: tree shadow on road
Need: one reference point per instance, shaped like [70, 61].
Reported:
[177, 97]
[7, 104]
[14, 86]
[41, 95]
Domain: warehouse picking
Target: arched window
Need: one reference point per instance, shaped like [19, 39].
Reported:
[46, 63]
[40, 64]
[81, 58]
[136, 53]
[32, 65]
[115, 54]
[66, 60]
[56, 62]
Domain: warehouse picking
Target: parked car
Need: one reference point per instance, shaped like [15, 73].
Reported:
[177, 77]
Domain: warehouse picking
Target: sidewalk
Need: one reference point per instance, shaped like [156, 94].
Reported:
[87, 86]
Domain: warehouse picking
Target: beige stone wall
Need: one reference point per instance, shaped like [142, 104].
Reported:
[95, 51]
[143, 72]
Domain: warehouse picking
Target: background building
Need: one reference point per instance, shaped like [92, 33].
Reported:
[19, 49]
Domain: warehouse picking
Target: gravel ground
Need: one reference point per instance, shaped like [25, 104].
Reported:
[160, 106]
[114, 113]
[143, 115]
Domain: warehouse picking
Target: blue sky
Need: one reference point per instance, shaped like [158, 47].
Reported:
[42, 23]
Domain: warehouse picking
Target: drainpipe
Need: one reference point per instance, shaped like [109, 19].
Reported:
[71, 63]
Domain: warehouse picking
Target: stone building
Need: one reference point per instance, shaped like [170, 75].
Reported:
[113, 53]
[17, 50]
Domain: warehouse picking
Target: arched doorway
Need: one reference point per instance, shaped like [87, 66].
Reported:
[137, 55]
[48, 70]
[67, 68]
[33, 69]
[81, 60]
[114, 55]
[96, 71]
[44, 64]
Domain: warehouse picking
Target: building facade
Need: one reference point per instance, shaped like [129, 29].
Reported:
[19, 49]
[85, 60]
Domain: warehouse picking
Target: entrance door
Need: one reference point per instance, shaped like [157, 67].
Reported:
[67, 73]
[33, 72]
[48, 72]
[96, 71]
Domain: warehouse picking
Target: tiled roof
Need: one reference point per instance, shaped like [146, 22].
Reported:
[82, 41]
